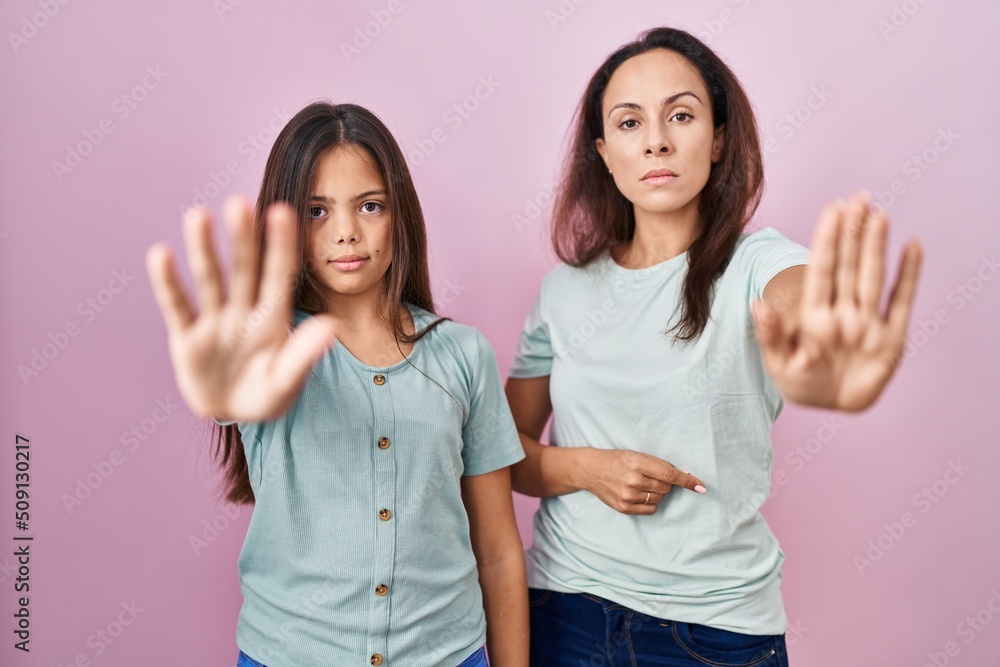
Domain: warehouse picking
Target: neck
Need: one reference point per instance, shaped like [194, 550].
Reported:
[660, 236]
[365, 312]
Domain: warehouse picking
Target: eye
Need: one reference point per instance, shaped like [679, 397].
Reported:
[316, 211]
[372, 207]
[625, 124]
[683, 113]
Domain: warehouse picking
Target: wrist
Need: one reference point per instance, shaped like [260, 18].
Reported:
[577, 466]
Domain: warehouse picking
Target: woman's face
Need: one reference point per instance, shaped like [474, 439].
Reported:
[659, 142]
[350, 231]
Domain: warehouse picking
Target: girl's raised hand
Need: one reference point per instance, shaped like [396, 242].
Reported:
[835, 350]
[237, 357]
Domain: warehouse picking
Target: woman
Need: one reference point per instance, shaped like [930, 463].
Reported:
[642, 348]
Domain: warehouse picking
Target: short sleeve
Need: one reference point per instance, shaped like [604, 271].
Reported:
[763, 255]
[534, 349]
[490, 439]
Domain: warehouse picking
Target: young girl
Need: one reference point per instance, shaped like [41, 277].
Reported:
[642, 348]
[383, 521]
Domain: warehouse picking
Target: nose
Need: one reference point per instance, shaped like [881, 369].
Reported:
[656, 140]
[345, 230]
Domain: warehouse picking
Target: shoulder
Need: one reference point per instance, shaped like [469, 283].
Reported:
[766, 243]
[764, 237]
[564, 278]
[463, 342]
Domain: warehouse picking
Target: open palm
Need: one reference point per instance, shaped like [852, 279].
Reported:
[237, 358]
[835, 349]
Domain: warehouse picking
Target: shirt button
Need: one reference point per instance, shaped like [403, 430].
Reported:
[384, 514]
[381, 589]
[377, 659]
[379, 379]
[383, 443]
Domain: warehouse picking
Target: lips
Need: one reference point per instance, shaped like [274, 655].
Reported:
[659, 173]
[349, 262]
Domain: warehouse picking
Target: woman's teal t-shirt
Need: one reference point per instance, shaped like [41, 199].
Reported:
[359, 540]
[618, 382]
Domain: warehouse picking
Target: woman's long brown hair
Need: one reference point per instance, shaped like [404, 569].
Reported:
[590, 215]
[289, 176]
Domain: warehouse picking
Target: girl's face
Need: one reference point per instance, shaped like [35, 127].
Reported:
[350, 231]
[659, 142]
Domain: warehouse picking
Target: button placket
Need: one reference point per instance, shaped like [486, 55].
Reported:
[383, 499]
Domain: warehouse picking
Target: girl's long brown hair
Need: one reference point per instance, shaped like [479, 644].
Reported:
[590, 215]
[289, 176]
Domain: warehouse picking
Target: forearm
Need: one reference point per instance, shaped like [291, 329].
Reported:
[548, 471]
[505, 599]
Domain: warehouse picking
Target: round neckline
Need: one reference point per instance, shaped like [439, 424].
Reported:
[646, 270]
[416, 312]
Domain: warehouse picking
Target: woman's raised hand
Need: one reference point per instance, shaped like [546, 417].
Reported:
[237, 358]
[835, 350]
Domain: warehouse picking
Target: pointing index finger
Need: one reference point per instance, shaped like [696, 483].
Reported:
[666, 472]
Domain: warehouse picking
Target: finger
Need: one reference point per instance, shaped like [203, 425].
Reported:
[852, 228]
[653, 485]
[871, 275]
[774, 340]
[202, 260]
[243, 281]
[280, 259]
[665, 472]
[639, 509]
[309, 341]
[904, 291]
[168, 290]
[654, 497]
[818, 284]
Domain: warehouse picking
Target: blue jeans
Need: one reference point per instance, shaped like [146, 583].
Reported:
[477, 659]
[583, 630]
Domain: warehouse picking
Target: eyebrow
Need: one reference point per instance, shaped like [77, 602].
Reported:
[329, 200]
[669, 100]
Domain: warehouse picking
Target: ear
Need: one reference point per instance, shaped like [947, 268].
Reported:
[718, 143]
[603, 150]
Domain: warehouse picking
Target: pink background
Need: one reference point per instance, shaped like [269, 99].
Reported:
[879, 98]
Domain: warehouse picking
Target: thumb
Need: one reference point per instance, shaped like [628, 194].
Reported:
[306, 344]
[771, 336]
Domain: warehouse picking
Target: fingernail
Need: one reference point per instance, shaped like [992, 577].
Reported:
[700, 489]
